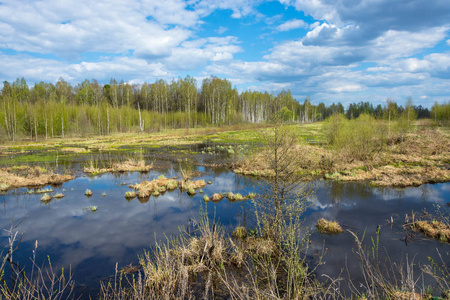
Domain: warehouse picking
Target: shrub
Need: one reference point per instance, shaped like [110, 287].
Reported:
[358, 139]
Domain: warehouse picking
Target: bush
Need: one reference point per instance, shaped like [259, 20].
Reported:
[358, 139]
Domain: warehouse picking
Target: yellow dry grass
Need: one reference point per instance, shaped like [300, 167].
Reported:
[160, 185]
[216, 198]
[25, 176]
[261, 246]
[129, 165]
[434, 229]
[324, 226]
[403, 295]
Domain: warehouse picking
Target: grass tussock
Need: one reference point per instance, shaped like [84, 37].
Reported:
[147, 188]
[186, 185]
[46, 198]
[59, 196]
[434, 229]
[331, 227]
[238, 197]
[163, 184]
[240, 233]
[16, 177]
[216, 197]
[130, 195]
[130, 165]
[88, 193]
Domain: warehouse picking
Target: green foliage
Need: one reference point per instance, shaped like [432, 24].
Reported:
[359, 139]
[440, 113]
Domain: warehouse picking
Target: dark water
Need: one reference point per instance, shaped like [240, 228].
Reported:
[92, 242]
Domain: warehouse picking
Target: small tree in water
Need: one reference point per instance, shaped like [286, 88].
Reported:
[279, 207]
[283, 197]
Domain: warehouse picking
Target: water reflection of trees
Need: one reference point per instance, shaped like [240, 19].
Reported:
[338, 191]
[426, 192]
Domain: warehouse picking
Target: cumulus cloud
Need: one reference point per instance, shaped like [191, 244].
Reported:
[49, 70]
[73, 27]
[291, 24]
[378, 15]
[376, 49]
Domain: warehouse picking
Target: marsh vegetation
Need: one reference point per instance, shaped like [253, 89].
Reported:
[268, 248]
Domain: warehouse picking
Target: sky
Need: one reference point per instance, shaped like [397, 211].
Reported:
[331, 50]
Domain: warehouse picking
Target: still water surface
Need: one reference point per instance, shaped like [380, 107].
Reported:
[92, 242]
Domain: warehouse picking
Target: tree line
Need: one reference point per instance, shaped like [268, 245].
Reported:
[47, 110]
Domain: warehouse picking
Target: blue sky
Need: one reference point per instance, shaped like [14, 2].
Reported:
[330, 50]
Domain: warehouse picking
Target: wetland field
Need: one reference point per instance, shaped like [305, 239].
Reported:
[186, 214]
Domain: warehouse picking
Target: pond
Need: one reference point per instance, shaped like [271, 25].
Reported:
[92, 242]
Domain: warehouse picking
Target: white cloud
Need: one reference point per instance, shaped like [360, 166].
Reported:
[222, 56]
[314, 25]
[291, 24]
[395, 44]
[38, 69]
[239, 8]
[221, 30]
[377, 16]
[346, 88]
[73, 27]
[201, 51]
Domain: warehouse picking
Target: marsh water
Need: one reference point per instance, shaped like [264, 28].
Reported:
[91, 243]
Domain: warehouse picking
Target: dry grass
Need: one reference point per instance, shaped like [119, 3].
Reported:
[25, 176]
[332, 227]
[147, 188]
[129, 165]
[130, 195]
[46, 198]
[424, 158]
[162, 184]
[238, 197]
[208, 265]
[216, 198]
[405, 295]
[240, 232]
[434, 229]
[186, 185]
